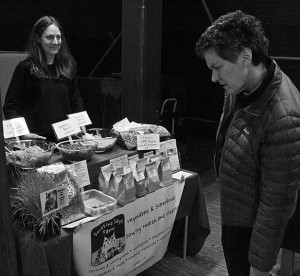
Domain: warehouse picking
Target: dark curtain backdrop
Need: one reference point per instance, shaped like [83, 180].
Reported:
[91, 25]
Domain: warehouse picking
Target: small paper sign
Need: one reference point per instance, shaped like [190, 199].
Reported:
[55, 199]
[66, 128]
[15, 127]
[139, 176]
[82, 174]
[121, 125]
[147, 155]
[127, 169]
[118, 162]
[82, 118]
[148, 141]
[169, 148]
[178, 175]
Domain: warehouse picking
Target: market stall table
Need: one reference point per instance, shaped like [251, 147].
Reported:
[98, 160]
[54, 257]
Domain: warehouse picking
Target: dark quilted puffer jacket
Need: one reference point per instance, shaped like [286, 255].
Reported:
[259, 167]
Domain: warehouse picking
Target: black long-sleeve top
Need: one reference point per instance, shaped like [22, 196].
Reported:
[41, 101]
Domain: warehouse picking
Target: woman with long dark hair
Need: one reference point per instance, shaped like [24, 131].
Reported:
[44, 88]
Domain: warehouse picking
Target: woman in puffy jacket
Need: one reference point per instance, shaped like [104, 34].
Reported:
[257, 156]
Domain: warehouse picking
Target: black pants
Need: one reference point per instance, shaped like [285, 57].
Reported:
[236, 242]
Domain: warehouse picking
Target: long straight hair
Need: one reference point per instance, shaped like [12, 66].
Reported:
[64, 62]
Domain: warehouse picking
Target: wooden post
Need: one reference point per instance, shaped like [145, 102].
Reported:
[8, 257]
[141, 60]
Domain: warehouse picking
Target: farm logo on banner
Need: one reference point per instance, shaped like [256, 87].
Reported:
[108, 240]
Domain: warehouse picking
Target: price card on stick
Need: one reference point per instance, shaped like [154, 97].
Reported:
[82, 118]
[14, 128]
[122, 125]
[66, 128]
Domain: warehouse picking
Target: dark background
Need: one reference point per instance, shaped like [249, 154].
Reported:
[91, 25]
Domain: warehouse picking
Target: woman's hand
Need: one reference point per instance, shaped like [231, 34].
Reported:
[31, 136]
[255, 272]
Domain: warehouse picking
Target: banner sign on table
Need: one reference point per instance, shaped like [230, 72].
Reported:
[130, 239]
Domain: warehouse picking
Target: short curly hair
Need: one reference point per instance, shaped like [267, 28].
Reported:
[232, 33]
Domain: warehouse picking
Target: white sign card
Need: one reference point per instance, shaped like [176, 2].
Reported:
[147, 155]
[82, 118]
[66, 128]
[128, 168]
[52, 168]
[118, 162]
[54, 199]
[82, 174]
[181, 174]
[130, 239]
[169, 148]
[122, 125]
[148, 141]
[15, 127]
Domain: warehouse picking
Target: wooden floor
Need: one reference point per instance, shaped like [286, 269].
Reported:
[210, 260]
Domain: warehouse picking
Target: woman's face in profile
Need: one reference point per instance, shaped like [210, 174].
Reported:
[231, 76]
[50, 41]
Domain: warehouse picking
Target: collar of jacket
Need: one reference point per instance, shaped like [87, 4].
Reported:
[265, 91]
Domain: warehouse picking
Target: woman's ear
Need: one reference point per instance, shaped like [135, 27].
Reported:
[246, 56]
[38, 39]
